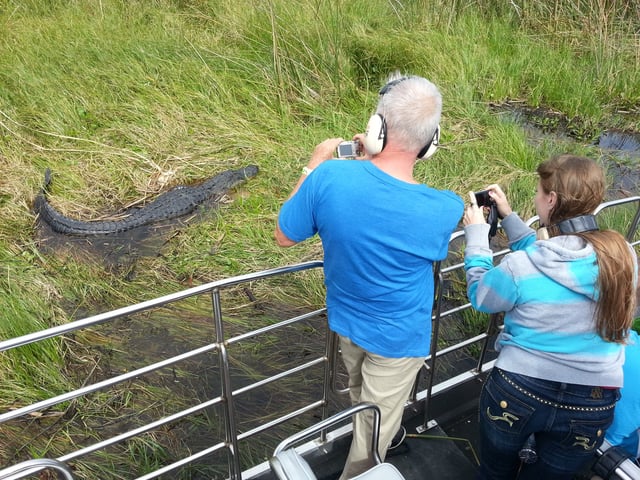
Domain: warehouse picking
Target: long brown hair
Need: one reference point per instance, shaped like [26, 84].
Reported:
[579, 184]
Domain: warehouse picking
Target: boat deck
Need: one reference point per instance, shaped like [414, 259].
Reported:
[427, 455]
[430, 454]
[435, 454]
[446, 450]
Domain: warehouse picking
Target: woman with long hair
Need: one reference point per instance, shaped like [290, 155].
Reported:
[568, 299]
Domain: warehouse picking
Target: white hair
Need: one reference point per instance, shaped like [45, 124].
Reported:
[411, 107]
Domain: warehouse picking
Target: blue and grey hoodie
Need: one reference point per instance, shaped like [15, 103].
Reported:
[547, 289]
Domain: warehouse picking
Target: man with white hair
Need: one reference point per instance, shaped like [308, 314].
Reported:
[381, 231]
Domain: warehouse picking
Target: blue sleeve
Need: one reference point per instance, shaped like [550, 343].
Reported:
[296, 219]
[625, 429]
[520, 235]
[490, 289]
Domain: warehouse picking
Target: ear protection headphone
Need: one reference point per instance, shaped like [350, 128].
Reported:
[431, 147]
[375, 136]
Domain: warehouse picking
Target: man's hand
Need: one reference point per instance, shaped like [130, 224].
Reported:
[359, 137]
[324, 151]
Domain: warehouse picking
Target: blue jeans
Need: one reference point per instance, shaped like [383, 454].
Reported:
[568, 420]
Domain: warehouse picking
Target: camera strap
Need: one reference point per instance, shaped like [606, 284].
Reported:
[583, 223]
[492, 220]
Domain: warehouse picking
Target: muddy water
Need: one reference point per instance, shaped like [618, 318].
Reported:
[621, 151]
[625, 143]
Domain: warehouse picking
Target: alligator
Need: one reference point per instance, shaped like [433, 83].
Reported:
[180, 200]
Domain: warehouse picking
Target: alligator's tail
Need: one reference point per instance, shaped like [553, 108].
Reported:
[59, 222]
[40, 203]
[47, 180]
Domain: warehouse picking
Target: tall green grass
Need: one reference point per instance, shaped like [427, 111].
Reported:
[125, 98]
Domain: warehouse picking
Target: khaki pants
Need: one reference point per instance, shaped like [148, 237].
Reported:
[386, 382]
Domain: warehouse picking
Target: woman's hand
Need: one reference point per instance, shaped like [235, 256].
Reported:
[498, 196]
[472, 215]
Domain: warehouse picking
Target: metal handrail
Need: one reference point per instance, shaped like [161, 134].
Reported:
[30, 467]
[156, 302]
[337, 418]
[232, 437]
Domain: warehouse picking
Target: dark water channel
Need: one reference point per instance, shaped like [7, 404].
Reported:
[617, 150]
[623, 158]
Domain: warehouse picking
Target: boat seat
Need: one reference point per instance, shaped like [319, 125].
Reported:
[382, 471]
[288, 464]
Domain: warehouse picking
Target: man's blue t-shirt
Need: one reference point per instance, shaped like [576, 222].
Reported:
[380, 237]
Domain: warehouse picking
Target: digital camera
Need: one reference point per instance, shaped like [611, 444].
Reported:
[348, 149]
[483, 199]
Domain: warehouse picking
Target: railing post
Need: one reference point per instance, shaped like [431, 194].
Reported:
[492, 329]
[634, 225]
[231, 433]
[435, 331]
[330, 366]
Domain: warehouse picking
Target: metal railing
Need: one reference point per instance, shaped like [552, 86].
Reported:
[29, 467]
[220, 345]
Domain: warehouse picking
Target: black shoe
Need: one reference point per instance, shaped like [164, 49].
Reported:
[398, 438]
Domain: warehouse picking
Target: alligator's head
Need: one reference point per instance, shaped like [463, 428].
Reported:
[250, 171]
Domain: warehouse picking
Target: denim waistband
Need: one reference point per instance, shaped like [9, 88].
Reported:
[550, 403]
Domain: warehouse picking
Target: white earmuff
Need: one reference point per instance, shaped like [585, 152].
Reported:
[375, 136]
[431, 147]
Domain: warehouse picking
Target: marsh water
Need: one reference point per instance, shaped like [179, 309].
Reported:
[618, 150]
